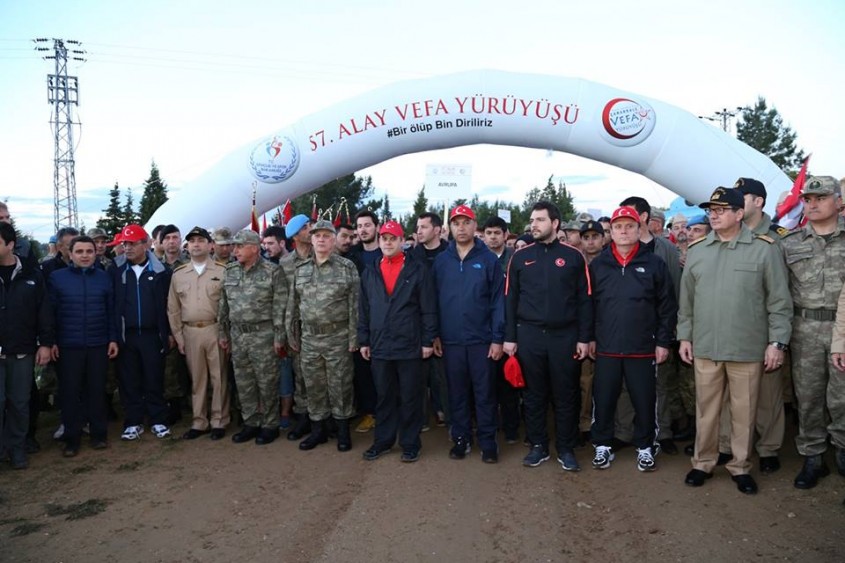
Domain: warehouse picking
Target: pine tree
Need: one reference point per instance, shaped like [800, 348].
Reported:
[155, 195]
[386, 215]
[112, 221]
[421, 203]
[558, 195]
[762, 128]
[128, 214]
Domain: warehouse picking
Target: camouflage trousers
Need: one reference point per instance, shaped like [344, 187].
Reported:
[819, 387]
[327, 371]
[175, 375]
[588, 371]
[257, 377]
[300, 395]
[681, 386]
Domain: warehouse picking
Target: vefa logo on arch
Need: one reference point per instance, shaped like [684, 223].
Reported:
[274, 159]
[627, 122]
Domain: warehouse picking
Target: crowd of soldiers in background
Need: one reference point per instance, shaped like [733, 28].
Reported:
[722, 322]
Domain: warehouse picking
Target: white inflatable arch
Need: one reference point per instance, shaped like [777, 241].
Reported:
[662, 142]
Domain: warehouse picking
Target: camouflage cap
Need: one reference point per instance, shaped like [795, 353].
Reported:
[246, 236]
[572, 226]
[323, 225]
[821, 185]
[96, 233]
[223, 235]
[658, 215]
[585, 217]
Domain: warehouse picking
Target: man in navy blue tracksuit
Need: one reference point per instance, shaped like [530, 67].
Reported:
[141, 284]
[397, 325]
[86, 337]
[549, 327]
[470, 292]
[636, 313]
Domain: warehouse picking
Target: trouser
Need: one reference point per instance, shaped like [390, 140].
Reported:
[399, 409]
[257, 377]
[175, 375]
[15, 387]
[141, 377]
[625, 410]
[712, 380]
[640, 375]
[435, 382]
[819, 387]
[82, 375]
[470, 374]
[300, 393]
[770, 422]
[507, 397]
[328, 373]
[588, 370]
[551, 373]
[206, 364]
[365, 388]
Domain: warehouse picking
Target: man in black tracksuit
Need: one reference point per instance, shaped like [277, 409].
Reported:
[397, 325]
[549, 321]
[635, 313]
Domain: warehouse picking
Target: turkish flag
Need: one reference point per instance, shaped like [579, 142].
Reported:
[789, 212]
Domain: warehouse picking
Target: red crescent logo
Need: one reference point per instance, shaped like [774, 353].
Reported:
[560, 262]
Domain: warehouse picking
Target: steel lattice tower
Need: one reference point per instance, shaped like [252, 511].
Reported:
[63, 95]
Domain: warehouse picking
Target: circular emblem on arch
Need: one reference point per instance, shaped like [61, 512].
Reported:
[274, 159]
[627, 122]
[560, 262]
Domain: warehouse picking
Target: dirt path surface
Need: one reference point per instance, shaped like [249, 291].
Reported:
[175, 500]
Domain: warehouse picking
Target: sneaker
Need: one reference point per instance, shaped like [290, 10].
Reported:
[460, 449]
[86, 429]
[132, 433]
[604, 455]
[536, 456]
[410, 456]
[425, 428]
[367, 423]
[161, 431]
[374, 452]
[59, 433]
[490, 456]
[567, 460]
[645, 461]
[441, 419]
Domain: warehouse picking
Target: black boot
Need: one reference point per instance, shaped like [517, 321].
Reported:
[814, 469]
[318, 436]
[344, 439]
[247, 433]
[301, 428]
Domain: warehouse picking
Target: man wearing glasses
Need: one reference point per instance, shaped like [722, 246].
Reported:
[141, 284]
[734, 322]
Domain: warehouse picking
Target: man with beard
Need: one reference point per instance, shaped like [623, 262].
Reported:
[549, 324]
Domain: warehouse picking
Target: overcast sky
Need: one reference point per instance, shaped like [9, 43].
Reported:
[187, 82]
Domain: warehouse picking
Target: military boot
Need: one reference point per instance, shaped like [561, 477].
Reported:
[344, 439]
[302, 427]
[318, 436]
[814, 469]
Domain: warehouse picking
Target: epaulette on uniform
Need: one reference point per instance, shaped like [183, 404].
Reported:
[793, 232]
[232, 265]
[221, 264]
[180, 267]
[781, 231]
[693, 243]
[766, 238]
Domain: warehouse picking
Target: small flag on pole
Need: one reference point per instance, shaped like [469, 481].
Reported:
[789, 213]
[253, 220]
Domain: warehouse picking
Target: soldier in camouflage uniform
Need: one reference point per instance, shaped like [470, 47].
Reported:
[815, 257]
[251, 317]
[297, 230]
[324, 299]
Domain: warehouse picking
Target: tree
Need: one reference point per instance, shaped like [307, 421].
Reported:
[128, 215]
[762, 128]
[421, 203]
[155, 195]
[386, 215]
[356, 191]
[112, 221]
[558, 195]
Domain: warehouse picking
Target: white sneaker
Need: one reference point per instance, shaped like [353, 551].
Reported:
[645, 461]
[132, 433]
[604, 455]
[86, 429]
[59, 433]
[161, 431]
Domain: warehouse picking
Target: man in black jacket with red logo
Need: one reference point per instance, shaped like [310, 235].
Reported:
[635, 313]
[397, 324]
[549, 321]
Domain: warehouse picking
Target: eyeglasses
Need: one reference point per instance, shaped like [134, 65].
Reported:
[719, 210]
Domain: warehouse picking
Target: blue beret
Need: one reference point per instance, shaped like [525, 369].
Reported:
[295, 225]
[697, 220]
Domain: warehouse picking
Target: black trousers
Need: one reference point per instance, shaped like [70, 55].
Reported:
[141, 362]
[399, 409]
[364, 386]
[82, 385]
[508, 398]
[553, 374]
[640, 375]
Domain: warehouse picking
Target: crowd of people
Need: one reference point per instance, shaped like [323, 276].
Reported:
[630, 331]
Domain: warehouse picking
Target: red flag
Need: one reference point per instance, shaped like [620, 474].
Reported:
[336, 221]
[263, 222]
[314, 209]
[287, 213]
[253, 220]
[788, 213]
